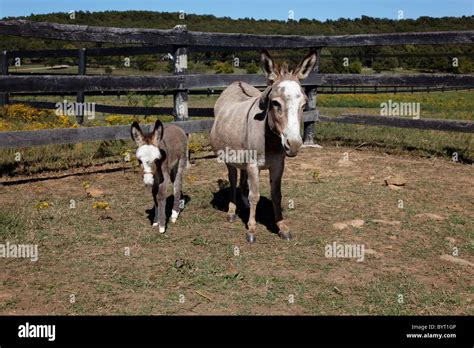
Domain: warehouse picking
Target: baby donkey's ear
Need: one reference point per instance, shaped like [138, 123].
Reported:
[157, 134]
[137, 134]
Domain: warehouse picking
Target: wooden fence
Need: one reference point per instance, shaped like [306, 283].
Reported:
[180, 42]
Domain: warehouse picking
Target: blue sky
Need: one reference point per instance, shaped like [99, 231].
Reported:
[258, 9]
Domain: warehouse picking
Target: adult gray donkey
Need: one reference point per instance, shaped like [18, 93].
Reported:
[258, 130]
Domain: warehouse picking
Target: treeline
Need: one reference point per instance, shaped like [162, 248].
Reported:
[420, 58]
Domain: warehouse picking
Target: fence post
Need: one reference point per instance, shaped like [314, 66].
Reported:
[80, 95]
[308, 135]
[180, 96]
[4, 71]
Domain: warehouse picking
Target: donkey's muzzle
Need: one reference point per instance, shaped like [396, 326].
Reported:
[292, 147]
[148, 179]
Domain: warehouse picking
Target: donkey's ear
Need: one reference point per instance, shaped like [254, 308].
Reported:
[306, 66]
[157, 132]
[268, 66]
[137, 134]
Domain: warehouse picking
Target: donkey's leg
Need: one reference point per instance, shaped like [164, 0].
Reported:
[161, 198]
[156, 215]
[254, 197]
[244, 188]
[276, 172]
[231, 217]
[177, 185]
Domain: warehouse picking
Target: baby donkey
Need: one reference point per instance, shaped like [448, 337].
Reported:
[162, 155]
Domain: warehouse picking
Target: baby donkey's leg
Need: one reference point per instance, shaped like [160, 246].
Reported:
[160, 207]
[177, 187]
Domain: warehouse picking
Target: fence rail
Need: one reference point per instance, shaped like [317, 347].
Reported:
[211, 41]
[58, 83]
[326, 89]
[19, 139]
[402, 122]
[82, 134]
[179, 41]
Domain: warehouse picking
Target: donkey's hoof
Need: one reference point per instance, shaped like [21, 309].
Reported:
[174, 216]
[161, 229]
[251, 237]
[231, 217]
[285, 235]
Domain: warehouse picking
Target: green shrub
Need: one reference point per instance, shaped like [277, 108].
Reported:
[223, 68]
[377, 67]
[252, 68]
[355, 67]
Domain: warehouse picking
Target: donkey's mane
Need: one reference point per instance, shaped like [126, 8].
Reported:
[282, 72]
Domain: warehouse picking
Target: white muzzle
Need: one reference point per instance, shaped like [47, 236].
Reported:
[148, 179]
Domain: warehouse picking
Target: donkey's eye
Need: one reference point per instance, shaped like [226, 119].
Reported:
[139, 161]
[277, 106]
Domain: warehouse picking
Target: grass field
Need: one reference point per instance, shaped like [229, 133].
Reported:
[204, 265]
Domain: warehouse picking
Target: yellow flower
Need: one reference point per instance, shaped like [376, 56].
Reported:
[64, 120]
[28, 118]
[194, 147]
[191, 178]
[101, 205]
[21, 112]
[117, 120]
[4, 126]
[316, 176]
[42, 205]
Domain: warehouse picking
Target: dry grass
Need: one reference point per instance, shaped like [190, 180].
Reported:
[82, 250]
